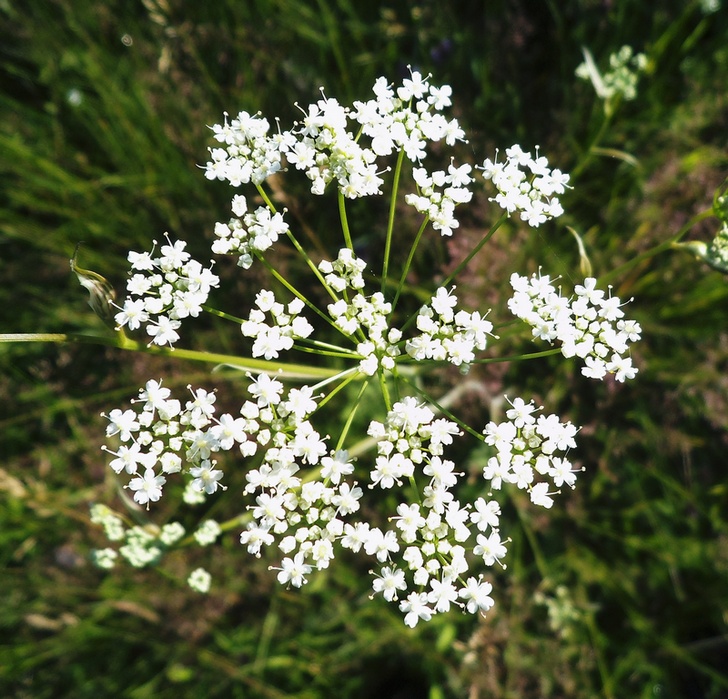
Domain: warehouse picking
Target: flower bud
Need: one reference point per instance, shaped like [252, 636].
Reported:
[101, 293]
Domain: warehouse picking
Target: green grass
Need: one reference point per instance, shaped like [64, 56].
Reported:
[641, 545]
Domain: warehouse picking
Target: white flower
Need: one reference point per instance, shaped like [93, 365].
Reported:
[390, 583]
[442, 594]
[381, 544]
[336, 466]
[206, 477]
[540, 496]
[122, 423]
[485, 514]
[476, 594]
[491, 548]
[293, 571]
[415, 608]
[147, 488]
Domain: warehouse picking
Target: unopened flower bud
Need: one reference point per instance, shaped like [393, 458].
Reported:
[101, 293]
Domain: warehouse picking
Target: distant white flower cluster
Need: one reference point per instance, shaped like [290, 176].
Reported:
[621, 80]
[591, 326]
[304, 490]
[141, 546]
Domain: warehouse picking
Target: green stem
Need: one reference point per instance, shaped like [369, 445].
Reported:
[323, 352]
[518, 357]
[348, 374]
[589, 153]
[344, 221]
[258, 366]
[408, 264]
[311, 265]
[335, 348]
[299, 249]
[350, 418]
[652, 252]
[222, 314]
[390, 222]
[475, 250]
[296, 292]
[385, 390]
[265, 198]
[444, 410]
[531, 538]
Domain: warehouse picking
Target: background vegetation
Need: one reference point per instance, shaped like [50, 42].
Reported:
[621, 591]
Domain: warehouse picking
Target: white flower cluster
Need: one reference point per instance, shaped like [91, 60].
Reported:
[447, 335]
[368, 318]
[408, 119]
[142, 546]
[438, 195]
[154, 441]
[199, 580]
[207, 533]
[345, 272]
[424, 558]
[323, 146]
[527, 185]
[526, 446]
[303, 493]
[590, 326]
[621, 80]
[249, 155]
[717, 251]
[112, 524]
[302, 513]
[163, 290]
[287, 326]
[252, 235]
